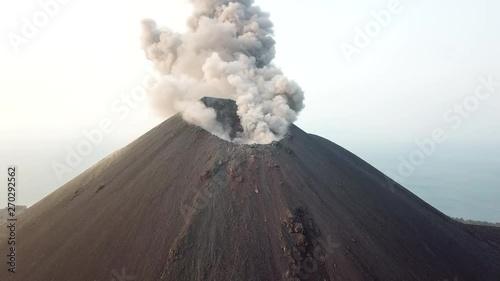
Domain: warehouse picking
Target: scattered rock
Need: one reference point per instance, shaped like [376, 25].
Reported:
[99, 188]
[173, 254]
[75, 194]
[206, 175]
[298, 228]
[239, 179]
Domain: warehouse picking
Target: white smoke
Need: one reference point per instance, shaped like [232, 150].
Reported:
[226, 53]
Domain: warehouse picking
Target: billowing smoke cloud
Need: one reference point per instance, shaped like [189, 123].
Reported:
[226, 53]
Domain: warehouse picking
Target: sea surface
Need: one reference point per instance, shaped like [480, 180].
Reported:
[461, 180]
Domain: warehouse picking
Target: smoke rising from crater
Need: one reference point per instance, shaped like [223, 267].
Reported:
[226, 53]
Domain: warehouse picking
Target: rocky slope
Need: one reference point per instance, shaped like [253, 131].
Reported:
[181, 204]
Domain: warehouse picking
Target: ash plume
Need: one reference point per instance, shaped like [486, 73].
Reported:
[226, 53]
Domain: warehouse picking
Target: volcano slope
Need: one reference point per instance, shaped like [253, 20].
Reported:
[182, 204]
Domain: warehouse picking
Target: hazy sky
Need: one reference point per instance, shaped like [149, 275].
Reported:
[81, 67]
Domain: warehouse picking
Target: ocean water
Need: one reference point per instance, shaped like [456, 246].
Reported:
[461, 180]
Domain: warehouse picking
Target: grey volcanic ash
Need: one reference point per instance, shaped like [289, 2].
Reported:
[227, 53]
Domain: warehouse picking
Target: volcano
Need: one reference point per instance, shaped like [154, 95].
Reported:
[181, 204]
